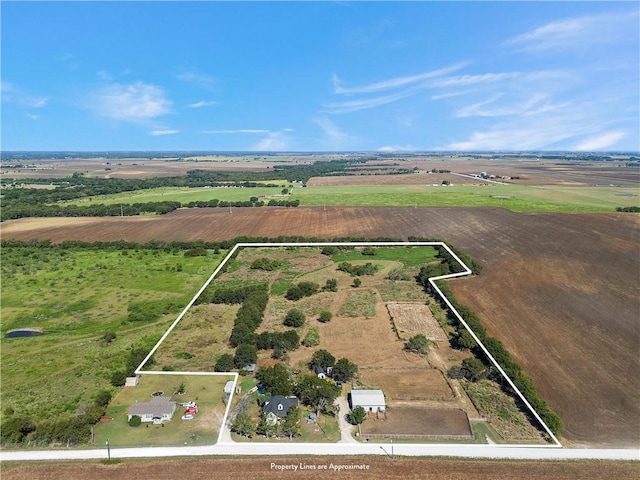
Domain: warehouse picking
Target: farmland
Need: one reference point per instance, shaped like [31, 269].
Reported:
[400, 469]
[570, 278]
[411, 381]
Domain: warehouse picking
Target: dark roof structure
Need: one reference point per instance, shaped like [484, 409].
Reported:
[279, 405]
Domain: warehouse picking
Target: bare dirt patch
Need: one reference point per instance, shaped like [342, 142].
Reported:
[413, 319]
[379, 468]
[535, 292]
[418, 421]
[408, 384]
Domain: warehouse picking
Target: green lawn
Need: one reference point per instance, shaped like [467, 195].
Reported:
[410, 256]
[205, 390]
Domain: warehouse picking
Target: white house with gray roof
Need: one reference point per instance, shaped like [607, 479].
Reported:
[158, 410]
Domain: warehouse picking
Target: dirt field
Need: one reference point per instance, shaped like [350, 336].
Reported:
[561, 291]
[405, 384]
[418, 421]
[414, 318]
[379, 468]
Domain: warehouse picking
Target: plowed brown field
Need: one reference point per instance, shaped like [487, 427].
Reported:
[379, 468]
[561, 291]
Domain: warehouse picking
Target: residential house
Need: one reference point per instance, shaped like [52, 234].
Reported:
[277, 407]
[158, 410]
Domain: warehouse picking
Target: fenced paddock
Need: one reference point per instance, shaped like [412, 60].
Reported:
[416, 422]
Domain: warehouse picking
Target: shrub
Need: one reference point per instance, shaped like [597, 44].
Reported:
[224, 363]
[418, 343]
[312, 338]
[295, 318]
[118, 378]
[325, 316]
[135, 421]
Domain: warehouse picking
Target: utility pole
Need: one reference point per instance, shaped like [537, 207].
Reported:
[108, 450]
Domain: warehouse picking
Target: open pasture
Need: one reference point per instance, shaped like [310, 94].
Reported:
[75, 297]
[564, 284]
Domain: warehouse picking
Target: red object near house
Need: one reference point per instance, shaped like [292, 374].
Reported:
[191, 410]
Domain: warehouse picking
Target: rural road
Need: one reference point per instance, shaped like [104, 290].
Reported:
[342, 449]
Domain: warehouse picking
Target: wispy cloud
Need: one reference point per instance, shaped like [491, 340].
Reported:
[134, 102]
[16, 95]
[394, 82]
[242, 130]
[534, 104]
[355, 105]
[578, 32]
[600, 142]
[274, 141]
[204, 103]
[330, 129]
[157, 133]
[196, 78]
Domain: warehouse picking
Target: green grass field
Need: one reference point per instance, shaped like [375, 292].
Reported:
[205, 390]
[518, 198]
[409, 257]
[75, 297]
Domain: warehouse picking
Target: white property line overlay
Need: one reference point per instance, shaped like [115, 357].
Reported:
[432, 280]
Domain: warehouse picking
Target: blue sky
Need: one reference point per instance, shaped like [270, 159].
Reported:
[313, 76]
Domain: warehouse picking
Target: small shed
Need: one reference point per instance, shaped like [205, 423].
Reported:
[370, 400]
[228, 388]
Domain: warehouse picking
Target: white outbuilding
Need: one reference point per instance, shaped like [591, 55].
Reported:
[370, 400]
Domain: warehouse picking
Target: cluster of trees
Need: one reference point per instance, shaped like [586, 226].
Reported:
[301, 290]
[135, 357]
[343, 370]
[19, 429]
[358, 270]
[628, 209]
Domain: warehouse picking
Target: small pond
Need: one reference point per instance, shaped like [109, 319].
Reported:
[25, 332]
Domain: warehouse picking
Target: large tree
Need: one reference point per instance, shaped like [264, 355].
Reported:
[295, 318]
[275, 380]
[316, 392]
[290, 424]
[245, 355]
[344, 370]
[357, 416]
[322, 359]
[243, 425]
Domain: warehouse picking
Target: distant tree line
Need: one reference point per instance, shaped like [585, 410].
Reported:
[628, 209]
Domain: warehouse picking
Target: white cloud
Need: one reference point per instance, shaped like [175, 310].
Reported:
[397, 148]
[204, 103]
[599, 142]
[579, 32]
[273, 141]
[134, 102]
[243, 130]
[394, 82]
[288, 130]
[157, 133]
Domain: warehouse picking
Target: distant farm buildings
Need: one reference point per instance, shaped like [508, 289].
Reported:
[370, 400]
